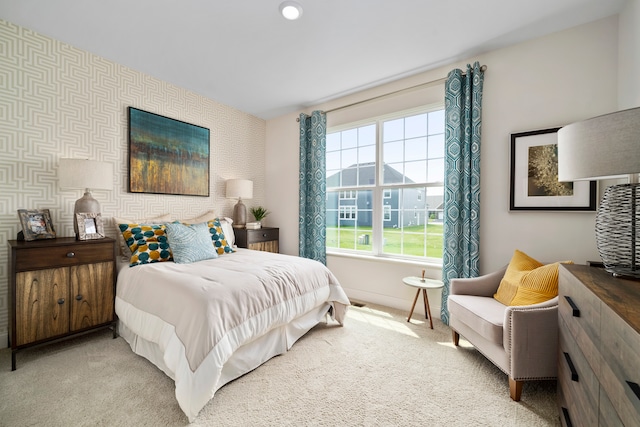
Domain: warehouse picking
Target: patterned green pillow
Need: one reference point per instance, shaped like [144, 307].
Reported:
[217, 236]
[190, 243]
[148, 243]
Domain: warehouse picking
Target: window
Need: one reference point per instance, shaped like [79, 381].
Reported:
[385, 186]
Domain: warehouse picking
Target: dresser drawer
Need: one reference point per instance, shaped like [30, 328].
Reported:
[621, 368]
[580, 310]
[576, 379]
[60, 256]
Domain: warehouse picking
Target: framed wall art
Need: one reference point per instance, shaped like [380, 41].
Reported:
[534, 176]
[90, 226]
[167, 156]
[36, 224]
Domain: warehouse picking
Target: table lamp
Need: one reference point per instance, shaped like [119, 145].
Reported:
[87, 174]
[239, 189]
[606, 147]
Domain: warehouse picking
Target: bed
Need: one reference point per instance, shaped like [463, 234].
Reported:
[208, 322]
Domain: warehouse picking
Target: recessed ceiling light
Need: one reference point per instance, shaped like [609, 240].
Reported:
[290, 10]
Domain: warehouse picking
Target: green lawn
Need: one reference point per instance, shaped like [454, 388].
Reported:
[407, 241]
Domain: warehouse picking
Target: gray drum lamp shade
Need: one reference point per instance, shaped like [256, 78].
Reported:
[606, 147]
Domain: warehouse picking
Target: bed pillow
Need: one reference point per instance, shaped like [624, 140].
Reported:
[148, 243]
[124, 248]
[217, 236]
[207, 216]
[190, 243]
[227, 229]
[519, 265]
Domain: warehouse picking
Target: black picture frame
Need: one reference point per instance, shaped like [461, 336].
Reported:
[167, 156]
[534, 163]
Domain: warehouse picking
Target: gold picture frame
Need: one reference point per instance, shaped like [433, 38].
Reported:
[36, 224]
[90, 226]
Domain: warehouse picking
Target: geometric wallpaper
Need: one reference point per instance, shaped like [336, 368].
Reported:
[58, 101]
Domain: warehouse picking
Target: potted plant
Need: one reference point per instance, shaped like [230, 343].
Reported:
[259, 213]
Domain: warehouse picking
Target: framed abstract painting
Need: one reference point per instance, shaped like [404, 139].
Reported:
[534, 176]
[167, 156]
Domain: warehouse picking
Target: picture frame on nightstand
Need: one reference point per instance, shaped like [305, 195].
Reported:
[90, 226]
[36, 224]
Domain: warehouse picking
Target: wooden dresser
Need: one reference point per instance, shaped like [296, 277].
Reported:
[599, 356]
[58, 288]
[263, 239]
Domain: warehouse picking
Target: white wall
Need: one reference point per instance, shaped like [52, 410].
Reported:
[629, 59]
[547, 82]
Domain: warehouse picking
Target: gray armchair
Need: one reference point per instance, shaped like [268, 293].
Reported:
[520, 340]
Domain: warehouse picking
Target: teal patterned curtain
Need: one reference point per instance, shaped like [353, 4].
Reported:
[313, 186]
[463, 116]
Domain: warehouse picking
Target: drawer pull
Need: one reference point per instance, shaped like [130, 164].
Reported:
[574, 373]
[78, 297]
[565, 414]
[264, 234]
[61, 301]
[576, 310]
[70, 254]
[635, 388]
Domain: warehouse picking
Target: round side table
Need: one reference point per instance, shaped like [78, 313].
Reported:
[422, 285]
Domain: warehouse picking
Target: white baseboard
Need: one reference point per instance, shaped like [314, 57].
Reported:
[394, 302]
[4, 337]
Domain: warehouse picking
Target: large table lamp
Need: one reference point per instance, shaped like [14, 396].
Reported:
[87, 174]
[607, 147]
[239, 189]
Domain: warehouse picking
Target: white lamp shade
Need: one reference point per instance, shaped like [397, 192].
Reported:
[602, 147]
[82, 173]
[239, 189]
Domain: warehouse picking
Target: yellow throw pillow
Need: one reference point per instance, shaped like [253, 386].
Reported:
[519, 265]
[538, 285]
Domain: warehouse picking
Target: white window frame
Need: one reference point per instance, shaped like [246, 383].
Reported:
[382, 191]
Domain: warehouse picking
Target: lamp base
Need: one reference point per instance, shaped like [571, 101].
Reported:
[239, 215]
[616, 230]
[85, 204]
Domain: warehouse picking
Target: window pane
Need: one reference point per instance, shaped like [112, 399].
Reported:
[349, 158]
[333, 161]
[367, 135]
[415, 126]
[367, 175]
[436, 122]
[392, 173]
[436, 146]
[393, 152]
[349, 138]
[349, 220]
[367, 154]
[415, 149]
[436, 170]
[415, 171]
[393, 130]
[333, 141]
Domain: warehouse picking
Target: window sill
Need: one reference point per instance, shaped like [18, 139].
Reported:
[423, 264]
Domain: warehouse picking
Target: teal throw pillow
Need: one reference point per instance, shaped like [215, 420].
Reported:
[190, 243]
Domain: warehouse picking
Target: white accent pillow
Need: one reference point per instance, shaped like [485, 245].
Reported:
[207, 216]
[227, 229]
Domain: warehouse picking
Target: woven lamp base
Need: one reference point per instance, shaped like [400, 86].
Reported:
[617, 231]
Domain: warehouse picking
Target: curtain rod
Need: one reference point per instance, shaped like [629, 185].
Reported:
[384, 95]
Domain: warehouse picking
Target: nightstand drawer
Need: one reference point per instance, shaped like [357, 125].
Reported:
[262, 235]
[61, 256]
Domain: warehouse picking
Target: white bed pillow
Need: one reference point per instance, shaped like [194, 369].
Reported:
[124, 249]
[227, 229]
[207, 216]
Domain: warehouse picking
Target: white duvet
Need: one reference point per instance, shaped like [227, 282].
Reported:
[198, 315]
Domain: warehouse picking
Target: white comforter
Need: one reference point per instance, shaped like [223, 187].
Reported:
[199, 314]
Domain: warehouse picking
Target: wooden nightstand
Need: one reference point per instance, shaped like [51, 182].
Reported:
[263, 239]
[59, 288]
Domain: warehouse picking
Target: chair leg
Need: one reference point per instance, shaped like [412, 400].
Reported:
[515, 389]
[456, 337]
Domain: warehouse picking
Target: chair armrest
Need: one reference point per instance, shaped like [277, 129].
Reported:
[484, 286]
[530, 336]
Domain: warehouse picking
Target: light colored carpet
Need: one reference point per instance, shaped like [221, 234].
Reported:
[377, 370]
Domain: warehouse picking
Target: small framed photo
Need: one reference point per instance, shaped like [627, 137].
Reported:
[534, 176]
[36, 224]
[89, 226]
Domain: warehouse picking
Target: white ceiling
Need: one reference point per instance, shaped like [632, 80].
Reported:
[242, 53]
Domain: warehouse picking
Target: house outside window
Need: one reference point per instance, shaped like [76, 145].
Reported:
[385, 186]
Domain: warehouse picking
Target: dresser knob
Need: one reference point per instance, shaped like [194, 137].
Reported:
[264, 234]
[61, 301]
[78, 297]
[70, 254]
